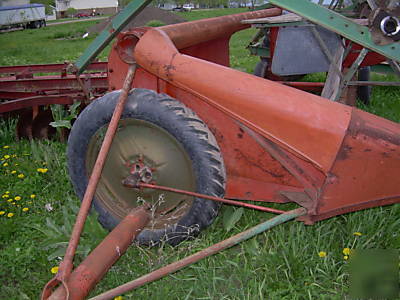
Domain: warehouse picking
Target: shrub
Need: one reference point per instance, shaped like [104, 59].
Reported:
[155, 23]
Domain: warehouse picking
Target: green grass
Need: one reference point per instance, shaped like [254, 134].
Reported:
[54, 44]
[280, 264]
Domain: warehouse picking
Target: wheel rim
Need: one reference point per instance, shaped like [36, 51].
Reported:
[138, 140]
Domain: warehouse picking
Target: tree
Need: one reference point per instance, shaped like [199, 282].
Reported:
[47, 4]
[71, 12]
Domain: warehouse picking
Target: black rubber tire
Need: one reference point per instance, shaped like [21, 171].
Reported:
[185, 126]
[364, 92]
[261, 70]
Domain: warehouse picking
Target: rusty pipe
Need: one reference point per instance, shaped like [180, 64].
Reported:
[173, 267]
[67, 264]
[217, 199]
[95, 266]
[193, 33]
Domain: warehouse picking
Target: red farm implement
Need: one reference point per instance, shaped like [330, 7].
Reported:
[177, 119]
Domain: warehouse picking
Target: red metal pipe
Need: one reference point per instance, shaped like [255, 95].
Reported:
[38, 101]
[227, 201]
[100, 260]
[193, 33]
[171, 268]
[67, 264]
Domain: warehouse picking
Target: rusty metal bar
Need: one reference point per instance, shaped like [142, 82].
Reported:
[171, 268]
[223, 200]
[67, 264]
[37, 101]
[47, 83]
[49, 68]
[95, 266]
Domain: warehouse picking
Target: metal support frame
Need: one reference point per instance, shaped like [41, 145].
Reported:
[111, 31]
[350, 73]
[337, 23]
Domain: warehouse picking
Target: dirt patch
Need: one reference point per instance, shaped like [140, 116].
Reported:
[148, 14]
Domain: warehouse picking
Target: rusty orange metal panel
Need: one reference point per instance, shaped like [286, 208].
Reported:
[246, 98]
[278, 143]
[365, 173]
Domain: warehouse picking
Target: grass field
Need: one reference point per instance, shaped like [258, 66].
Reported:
[39, 207]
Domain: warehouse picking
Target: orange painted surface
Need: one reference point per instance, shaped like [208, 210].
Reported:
[348, 157]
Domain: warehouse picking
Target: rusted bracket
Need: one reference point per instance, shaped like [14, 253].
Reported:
[307, 199]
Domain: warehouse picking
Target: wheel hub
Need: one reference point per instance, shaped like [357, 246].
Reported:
[143, 152]
[138, 172]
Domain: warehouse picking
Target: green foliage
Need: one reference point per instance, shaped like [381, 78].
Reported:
[63, 118]
[232, 215]
[47, 4]
[71, 11]
[155, 23]
[58, 235]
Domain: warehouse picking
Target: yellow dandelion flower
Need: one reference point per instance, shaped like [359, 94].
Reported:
[357, 233]
[6, 147]
[10, 200]
[346, 251]
[13, 203]
[7, 192]
[13, 172]
[43, 170]
[118, 298]
[5, 196]
[14, 155]
[54, 270]
[322, 254]
[5, 165]
[10, 215]
[17, 198]
[21, 176]
[346, 257]
[25, 209]
[33, 196]
[2, 212]
[7, 156]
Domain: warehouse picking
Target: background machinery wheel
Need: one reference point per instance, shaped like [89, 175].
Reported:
[364, 92]
[164, 139]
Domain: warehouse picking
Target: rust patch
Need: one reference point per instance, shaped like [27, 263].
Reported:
[358, 126]
[255, 164]
[217, 134]
[167, 70]
[344, 152]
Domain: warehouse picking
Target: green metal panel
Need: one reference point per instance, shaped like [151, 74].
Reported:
[259, 51]
[106, 36]
[268, 25]
[385, 69]
[339, 24]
